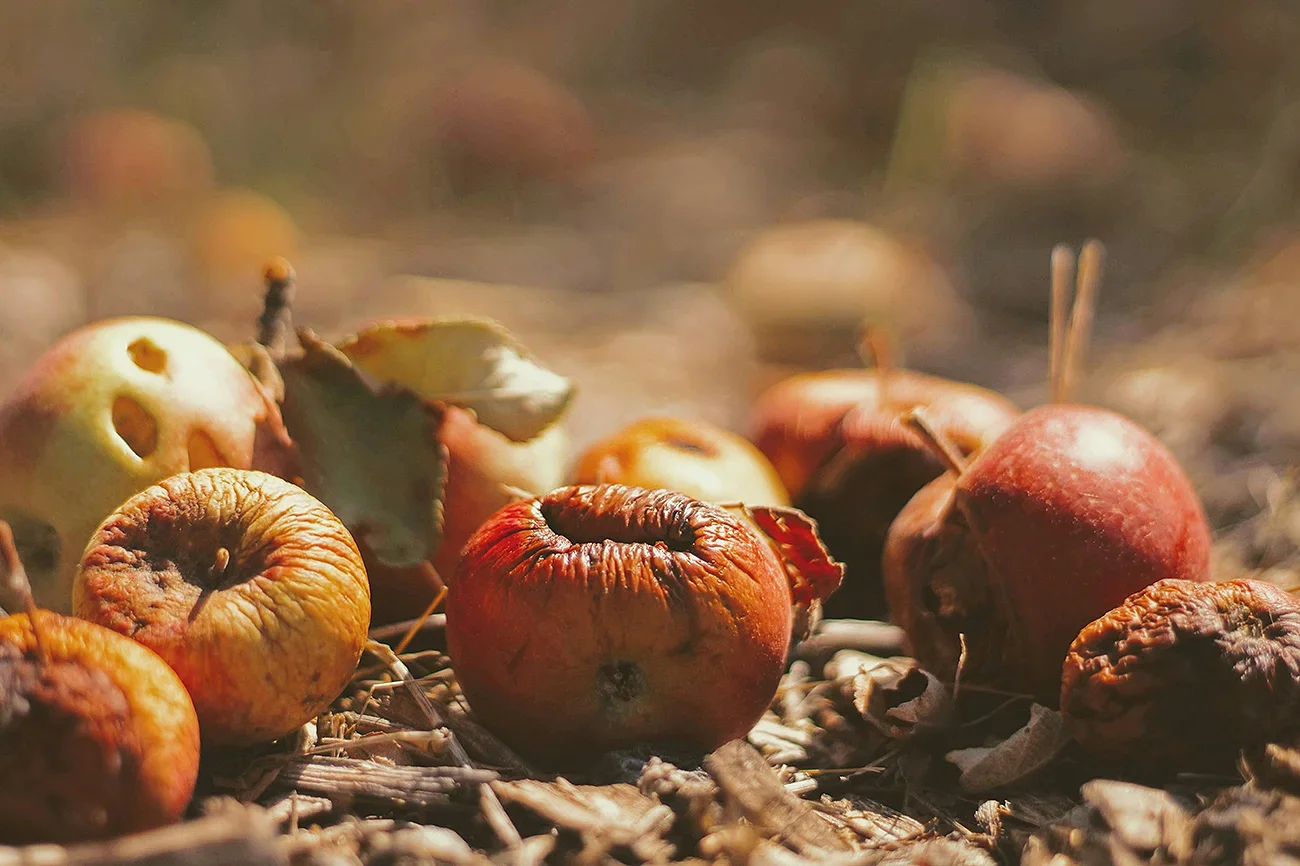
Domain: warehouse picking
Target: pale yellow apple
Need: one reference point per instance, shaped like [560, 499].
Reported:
[691, 457]
[110, 409]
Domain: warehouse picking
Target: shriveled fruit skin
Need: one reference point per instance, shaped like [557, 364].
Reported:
[600, 617]
[1184, 675]
[97, 740]
[1065, 515]
[264, 643]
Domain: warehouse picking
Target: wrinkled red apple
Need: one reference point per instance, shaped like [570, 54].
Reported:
[837, 441]
[1068, 513]
[692, 457]
[599, 617]
[108, 410]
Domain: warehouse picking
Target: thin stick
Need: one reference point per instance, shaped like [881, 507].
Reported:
[877, 349]
[419, 623]
[939, 445]
[275, 323]
[1085, 302]
[17, 588]
[1062, 276]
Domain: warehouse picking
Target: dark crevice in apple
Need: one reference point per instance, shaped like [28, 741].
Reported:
[136, 426]
[620, 684]
[147, 356]
[633, 516]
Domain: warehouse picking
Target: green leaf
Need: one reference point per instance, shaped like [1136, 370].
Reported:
[372, 455]
[472, 363]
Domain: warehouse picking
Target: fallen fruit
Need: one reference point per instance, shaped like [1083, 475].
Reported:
[249, 587]
[130, 158]
[1186, 675]
[836, 440]
[598, 617]
[1060, 519]
[97, 735]
[691, 457]
[108, 410]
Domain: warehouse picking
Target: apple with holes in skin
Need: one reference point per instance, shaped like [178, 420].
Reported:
[247, 585]
[600, 617]
[837, 442]
[1068, 513]
[108, 410]
[97, 735]
[691, 457]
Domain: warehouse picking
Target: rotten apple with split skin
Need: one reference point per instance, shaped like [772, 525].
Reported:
[1065, 515]
[837, 443]
[599, 617]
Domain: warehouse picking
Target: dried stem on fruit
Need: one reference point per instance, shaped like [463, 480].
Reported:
[1062, 276]
[877, 349]
[16, 589]
[936, 442]
[1085, 302]
[275, 323]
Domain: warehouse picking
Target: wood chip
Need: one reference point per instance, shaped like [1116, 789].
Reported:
[419, 786]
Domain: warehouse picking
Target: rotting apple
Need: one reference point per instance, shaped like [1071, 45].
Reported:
[98, 736]
[837, 442]
[108, 410]
[249, 587]
[602, 616]
[1002, 561]
[692, 457]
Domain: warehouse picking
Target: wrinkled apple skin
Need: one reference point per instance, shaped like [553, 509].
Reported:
[691, 457]
[264, 642]
[1071, 511]
[65, 458]
[836, 440]
[99, 737]
[600, 617]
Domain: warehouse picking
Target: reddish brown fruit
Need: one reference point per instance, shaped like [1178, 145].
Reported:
[600, 617]
[249, 587]
[1185, 675]
[837, 442]
[1063, 517]
[691, 457]
[97, 735]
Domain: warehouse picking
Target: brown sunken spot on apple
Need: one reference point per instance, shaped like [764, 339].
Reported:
[620, 685]
[136, 426]
[146, 355]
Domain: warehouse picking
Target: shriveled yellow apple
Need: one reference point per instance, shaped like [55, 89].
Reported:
[247, 585]
[108, 410]
[699, 459]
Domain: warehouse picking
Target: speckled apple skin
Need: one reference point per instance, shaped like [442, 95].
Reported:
[602, 617]
[1071, 511]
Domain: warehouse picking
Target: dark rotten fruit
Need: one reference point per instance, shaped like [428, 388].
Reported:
[837, 442]
[1063, 517]
[599, 617]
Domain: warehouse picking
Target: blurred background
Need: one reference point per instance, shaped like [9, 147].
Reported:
[679, 201]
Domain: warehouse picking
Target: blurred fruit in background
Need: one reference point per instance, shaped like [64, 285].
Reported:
[128, 158]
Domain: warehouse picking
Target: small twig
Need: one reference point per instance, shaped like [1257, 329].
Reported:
[1085, 302]
[17, 589]
[936, 442]
[877, 349]
[1062, 275]
[418, 624]
[276, 321]
[961, 667]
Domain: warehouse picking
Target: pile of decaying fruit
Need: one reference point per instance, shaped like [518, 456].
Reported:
[226, 523]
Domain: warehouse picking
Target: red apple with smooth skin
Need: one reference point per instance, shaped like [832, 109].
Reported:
[1068, 513]
[603, 616]
[849, 462]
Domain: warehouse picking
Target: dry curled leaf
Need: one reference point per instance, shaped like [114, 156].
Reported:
[899, 698]
[372, 456]
[813, 574]
[1016, 758]
[472, 363]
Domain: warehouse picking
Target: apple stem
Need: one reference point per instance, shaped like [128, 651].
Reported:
[1085, 302]
[275, 323]
[17, 589]
[877, 349]
[936, 442]
[1062, 276]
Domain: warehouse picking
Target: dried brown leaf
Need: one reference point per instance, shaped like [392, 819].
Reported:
[899, 698]
[1016, 758]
